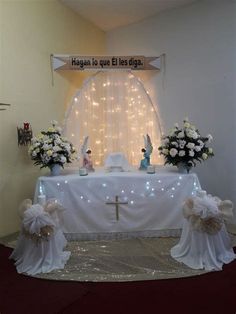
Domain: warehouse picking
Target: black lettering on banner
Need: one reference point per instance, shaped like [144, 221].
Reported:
[94, 62]
[134, 63]
[104, 63]
[123, 62]
[81, 63]
[114, 61]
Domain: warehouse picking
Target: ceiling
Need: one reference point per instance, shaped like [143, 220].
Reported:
[110, 14]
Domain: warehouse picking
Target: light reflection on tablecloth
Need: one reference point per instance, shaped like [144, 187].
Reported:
[154, 202]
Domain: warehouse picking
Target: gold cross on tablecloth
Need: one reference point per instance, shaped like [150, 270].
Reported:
[116, 203]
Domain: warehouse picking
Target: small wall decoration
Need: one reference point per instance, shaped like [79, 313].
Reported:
[25, 134]
[4, 105]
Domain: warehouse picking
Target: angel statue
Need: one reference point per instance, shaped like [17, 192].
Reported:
[145, 162]
[86, 154]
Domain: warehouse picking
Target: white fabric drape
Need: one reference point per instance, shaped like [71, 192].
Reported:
[115, 111]
[200, 250]
[33, 255]
[154, 202]
[204, 241]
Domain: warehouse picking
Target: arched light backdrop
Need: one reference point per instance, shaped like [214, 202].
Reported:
[115, 111]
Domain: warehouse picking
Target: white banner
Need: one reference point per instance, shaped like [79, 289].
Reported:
[80, 63]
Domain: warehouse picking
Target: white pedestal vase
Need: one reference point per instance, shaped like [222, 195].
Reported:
[55, 169]
[183, 168]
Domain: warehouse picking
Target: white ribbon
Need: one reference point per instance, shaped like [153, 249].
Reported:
[207, 214]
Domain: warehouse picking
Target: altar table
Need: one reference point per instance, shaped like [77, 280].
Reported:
[151, 203]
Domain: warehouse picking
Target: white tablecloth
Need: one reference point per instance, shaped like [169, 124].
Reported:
[154, 202]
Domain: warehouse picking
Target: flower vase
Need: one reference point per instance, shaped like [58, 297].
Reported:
[55, 169]
[183, 168]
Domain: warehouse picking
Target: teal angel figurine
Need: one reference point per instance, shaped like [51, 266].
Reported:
[145, 162]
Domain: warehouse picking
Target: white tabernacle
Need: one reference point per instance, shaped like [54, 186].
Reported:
[120, 204]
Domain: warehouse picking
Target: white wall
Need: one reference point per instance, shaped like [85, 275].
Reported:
[30, 30]
[199, 41]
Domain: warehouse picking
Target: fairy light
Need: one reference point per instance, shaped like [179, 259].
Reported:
[112, 120]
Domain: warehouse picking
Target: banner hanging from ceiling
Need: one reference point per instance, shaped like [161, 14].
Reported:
[80, 63]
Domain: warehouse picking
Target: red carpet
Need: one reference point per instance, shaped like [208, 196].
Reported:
[212, 293]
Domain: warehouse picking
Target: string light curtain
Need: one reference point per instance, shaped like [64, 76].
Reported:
[115, 111]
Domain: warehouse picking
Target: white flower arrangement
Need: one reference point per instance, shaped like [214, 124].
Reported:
[50, 148]
[185, 145]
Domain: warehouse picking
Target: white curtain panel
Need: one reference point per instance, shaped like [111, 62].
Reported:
[115, 111]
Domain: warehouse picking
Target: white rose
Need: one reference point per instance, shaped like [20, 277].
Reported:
[204, 156]
[190, 145]
[201, 144]
[56, 148]
[63, 159]
[186, 125]
[182, 142]
[165, 151]
[181, 134]
[192, 134]
[175, 144]
[197, 148]
[191, 153]
[210, 150]
[181, 153]
[209, 137]
[58, 141]
[173, 152]
[166, 141]
[45, 146]
[195, 135]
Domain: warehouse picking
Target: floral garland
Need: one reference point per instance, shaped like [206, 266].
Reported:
[185, 145]
[50, 148]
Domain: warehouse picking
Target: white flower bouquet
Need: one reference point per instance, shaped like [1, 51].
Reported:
[185, 146]
[50, 148]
